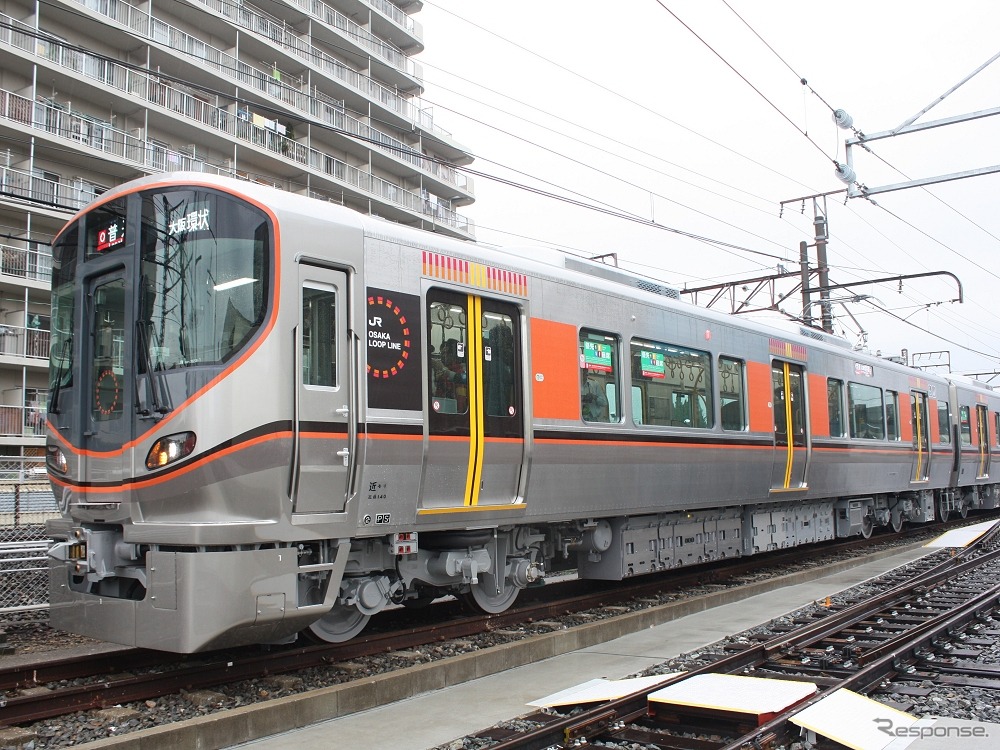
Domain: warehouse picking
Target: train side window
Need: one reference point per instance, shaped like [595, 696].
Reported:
[996, 427]
[867, 412]
[835, 406]
[319, 337]
[944, 421]
[732, 393]
[499, 365]
[674, 384]
[599, 375]
[447, 364]
[891, 410]
[965, 425]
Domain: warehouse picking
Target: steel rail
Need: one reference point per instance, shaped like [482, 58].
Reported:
[211, 669]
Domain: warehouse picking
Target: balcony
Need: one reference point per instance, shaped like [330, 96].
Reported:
[311, 104]
[152, 29]
[21, 341]
[20, 262]
[155, 157]
[22, 421]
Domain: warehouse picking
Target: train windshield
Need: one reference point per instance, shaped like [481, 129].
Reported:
[63, 305]
[203, 278]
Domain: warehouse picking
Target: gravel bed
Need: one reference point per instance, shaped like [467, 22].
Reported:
[972, 704]
[30, 634]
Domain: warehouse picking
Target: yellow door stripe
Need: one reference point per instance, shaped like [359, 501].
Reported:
[789, 427]
[474, 356]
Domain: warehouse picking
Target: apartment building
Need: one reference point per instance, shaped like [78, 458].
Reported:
[319, 97]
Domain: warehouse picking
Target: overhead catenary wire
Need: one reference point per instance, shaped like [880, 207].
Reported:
[487, 176]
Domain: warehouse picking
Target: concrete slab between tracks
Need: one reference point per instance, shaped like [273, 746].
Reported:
[431, 704]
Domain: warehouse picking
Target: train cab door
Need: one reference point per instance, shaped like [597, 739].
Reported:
[323, 429]
[983, 441]
[474, 449]
[791, 438]
[921, 437]
[106, 390]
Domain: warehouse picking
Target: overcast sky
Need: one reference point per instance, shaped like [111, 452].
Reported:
[619, 104]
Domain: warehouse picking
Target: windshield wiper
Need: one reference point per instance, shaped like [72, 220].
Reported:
[60, 373]
[159, 394]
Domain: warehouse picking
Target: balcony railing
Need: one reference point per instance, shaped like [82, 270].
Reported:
[22, 421]
[312, 104]
[390, 11]
[23, 262]
[20, 341]
[153, 29]
[252, 19]
[85, 131]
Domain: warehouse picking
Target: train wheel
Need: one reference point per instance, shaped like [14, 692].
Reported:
[897, 522]
[338, 625]
[867, 526]
[480, 599]
[963, 509]
[943, 511]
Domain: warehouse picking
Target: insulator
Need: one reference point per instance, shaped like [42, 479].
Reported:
[843, 120]
[846, 174]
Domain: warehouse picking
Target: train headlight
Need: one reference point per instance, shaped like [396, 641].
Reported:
[168, 449]
[55, 459]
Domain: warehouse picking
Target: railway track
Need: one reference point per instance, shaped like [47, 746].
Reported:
[131, 675]
[929, 628]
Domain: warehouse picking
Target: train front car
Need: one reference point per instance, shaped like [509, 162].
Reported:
[169, 440]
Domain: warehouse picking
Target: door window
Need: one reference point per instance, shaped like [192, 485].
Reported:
[319, 337]
[448, 366]
[107, 365]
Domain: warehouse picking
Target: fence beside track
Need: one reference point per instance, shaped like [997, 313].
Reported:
[24, 508]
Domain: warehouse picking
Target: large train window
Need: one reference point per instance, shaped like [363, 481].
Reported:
[599, 377]
[866, 411]
[835, 406]
[204, 276]
[891, 412]
[965, 425]
[64, 254]
[996, 427]
[732, 394]
[671, 385]
[944, 421]
[449, 378]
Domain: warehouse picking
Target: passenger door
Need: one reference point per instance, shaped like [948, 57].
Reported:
[921, 437]
[791, 444]
[475, 427]
[106, 391]
[983, 441]
[324, 425]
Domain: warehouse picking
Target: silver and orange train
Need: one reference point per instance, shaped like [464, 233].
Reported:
[270, 414]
